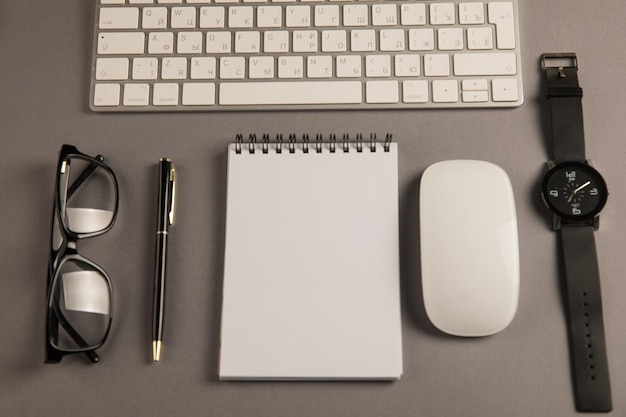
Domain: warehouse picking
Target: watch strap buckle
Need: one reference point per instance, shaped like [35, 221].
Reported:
[559, 60]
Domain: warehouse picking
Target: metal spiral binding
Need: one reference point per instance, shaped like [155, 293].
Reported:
[293, 143]
[279, 143]
[238, 140]
[318, 143]
[387, 144]
[266, 142]
[359, 142]
[251, 143]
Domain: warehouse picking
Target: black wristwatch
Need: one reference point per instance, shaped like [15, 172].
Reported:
[575, 193]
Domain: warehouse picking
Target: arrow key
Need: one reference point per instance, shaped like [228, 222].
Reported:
[504, 89]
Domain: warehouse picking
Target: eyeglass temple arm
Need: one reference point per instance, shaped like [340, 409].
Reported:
[83, 176]
[93, 356]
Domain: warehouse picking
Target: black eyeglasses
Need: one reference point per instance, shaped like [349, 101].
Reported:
[80, 296]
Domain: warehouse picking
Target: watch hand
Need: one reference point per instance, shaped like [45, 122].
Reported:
[577, 190]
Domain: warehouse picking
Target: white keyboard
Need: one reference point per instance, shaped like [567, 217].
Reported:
[214, 55]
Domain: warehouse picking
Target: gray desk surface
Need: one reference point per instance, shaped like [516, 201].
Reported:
[524, 371]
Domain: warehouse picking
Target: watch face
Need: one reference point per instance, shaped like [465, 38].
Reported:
[574, 191]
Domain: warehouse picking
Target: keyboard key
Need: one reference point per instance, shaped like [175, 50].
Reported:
[218, 42]
[437, 65]
[174, 68]
[189, 43]
[504, 89]
[298, 16]
[145, 68]
[212, 17]
[384, 15]
[290, 67]
[183, 18]
[415, 91]
[305, 41]
[327, 15]
[160, 43]
[450, 39]
[198, 94]
[240, 16]
[413, 14]
[479, 38]
[319, 66]
[474, 85]
[119, 18]
[292, 92]
[112, 68]
[136, 94]
[121, 43]
[392, 40]
[154, 18]
[334, 41]
[165, 94]
[348, 66]
[442, 14]
[106, 95]
[276, 41]
[485, 64]
[232, 67]
[355, 15]
[247, 42]
[472, 13]
[363, 40]
[269, 16]
[445, 91]
[203, 68]
[421, 39]
[381, 91]
[407, 65]
[378, 65]
[501, 14]
[261, 67]
[475, 96]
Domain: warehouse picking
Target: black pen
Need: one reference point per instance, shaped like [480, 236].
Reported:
[167, 191]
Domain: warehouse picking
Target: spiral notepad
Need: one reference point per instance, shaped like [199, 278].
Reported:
[311, 271]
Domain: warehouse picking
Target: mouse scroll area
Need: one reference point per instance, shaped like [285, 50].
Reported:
[469, 247]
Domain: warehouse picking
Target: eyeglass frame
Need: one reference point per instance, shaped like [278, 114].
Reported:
[67, 251]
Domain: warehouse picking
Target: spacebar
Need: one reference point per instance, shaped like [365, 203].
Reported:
[290, 92]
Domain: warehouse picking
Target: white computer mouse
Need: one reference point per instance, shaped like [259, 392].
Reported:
[469, 247]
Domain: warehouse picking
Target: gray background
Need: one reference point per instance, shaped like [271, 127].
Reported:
[524, 371]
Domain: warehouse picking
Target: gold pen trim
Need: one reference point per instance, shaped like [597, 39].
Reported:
[156, 350]
[173, 196]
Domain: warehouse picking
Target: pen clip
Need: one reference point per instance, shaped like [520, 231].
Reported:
[172, 183]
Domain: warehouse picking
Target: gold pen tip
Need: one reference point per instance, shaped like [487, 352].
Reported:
[156, 350]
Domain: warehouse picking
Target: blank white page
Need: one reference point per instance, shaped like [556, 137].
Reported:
[311, 272]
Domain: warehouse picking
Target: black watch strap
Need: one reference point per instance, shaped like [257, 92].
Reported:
[565, 100]
[586, 328]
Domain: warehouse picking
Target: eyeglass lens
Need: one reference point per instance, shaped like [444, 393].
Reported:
[87, 196]
[81, 302]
